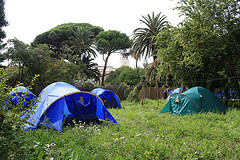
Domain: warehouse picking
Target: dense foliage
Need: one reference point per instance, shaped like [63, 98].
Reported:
[126, 75]
[203, 50]
[3, 23]
[28, 61]
[205, 46]
[65, 53]
[58, 37]
[12, 138]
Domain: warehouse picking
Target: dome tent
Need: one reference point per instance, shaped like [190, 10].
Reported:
[23, 95]
[194, 100]
[60, 101]
[109, 98]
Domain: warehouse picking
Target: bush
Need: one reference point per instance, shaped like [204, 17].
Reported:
[126, 75]
[234, 104]
[134, 95]
[12, 138]
[85, 84]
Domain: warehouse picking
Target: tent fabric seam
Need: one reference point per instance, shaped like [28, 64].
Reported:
[188, 97]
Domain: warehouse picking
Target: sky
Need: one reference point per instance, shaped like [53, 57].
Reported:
[29, 18]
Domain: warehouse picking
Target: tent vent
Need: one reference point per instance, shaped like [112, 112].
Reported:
[177, 100]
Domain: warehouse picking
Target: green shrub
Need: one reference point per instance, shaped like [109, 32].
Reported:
[85, 84]
[126, 75]
[234, 104]
[12, 138]
[134, 95]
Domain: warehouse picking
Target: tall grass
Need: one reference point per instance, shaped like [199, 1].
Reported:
[141, 133]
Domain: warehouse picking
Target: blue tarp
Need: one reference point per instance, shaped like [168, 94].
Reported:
[177, 90]
[60, 101]
[109, 98]
[23, 95]
[231, 94]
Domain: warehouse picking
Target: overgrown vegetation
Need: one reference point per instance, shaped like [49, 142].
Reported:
[125, 74]
[202, 50]
[141, 133]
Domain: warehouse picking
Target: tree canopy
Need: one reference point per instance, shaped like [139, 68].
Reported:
[3, 23]
[109, 42]
[144, 38]
[205, 45]
[81, 42]
[58, 36]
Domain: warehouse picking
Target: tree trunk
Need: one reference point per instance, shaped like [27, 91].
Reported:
[154, 58]
[22, 74]
[19, 72]
[105, 67]
[154, 53]
[226, 89]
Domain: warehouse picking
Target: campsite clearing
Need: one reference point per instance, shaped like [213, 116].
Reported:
[142, 133]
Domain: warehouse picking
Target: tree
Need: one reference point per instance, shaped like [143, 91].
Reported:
[81, 42]
[57, 37]
[3, 23]
[109, 42]
[206, 44]
[144, 38]
[19, 55]
[213, 28]
[90, 68]
[171, 65]
[40, 62]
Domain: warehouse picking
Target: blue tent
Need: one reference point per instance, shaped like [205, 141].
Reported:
[23, 95]
[60, 101]
[171, 92]
[110, 99]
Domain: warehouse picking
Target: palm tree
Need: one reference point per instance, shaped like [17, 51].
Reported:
[81, 42]
[143, 41]
[90, 69]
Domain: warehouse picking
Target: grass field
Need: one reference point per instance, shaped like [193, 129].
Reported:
[141, 133]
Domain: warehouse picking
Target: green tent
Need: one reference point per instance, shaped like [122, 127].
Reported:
[194, 100]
